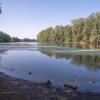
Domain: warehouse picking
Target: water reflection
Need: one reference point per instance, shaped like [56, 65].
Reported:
[74, 45]
[2, 52]
[90, 62]
[44, 64]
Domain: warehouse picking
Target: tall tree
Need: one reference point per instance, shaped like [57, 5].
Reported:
[81, 29]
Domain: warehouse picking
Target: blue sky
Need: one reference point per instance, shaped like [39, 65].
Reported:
[25, 18]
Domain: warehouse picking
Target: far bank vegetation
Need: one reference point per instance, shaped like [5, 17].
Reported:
[81, 30]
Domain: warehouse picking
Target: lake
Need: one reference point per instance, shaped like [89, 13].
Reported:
[63, 64]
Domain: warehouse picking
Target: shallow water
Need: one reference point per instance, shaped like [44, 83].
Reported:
[63, 64]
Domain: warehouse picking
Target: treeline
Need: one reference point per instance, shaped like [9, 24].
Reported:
[4, 37]
[16, 39]
[80, 30]
[7, 38]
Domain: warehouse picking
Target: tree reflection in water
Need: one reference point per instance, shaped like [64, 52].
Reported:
[91, 62]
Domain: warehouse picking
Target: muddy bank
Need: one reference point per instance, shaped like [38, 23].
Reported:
[16, 89]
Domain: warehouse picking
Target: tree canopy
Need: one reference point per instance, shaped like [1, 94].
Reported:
[80, 30]
[4, 37]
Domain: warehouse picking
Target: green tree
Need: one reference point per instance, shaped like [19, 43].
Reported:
[77, 29]
[15, 39]
[68, 34]
[81, 29]
[88, 28]
[4, 37]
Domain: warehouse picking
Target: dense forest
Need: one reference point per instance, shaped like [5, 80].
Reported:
[84, 30]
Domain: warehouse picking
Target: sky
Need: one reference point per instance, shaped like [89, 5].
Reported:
[26, 18]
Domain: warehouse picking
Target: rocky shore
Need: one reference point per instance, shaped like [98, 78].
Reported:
[16, 89]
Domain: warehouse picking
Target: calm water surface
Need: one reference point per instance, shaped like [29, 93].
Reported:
[69, 64]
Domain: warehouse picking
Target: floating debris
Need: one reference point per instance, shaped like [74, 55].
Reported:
[93, 82]
[70, 86]
[29, 73]
[49, 83]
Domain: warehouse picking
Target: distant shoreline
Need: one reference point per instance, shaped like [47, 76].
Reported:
[80, 42]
